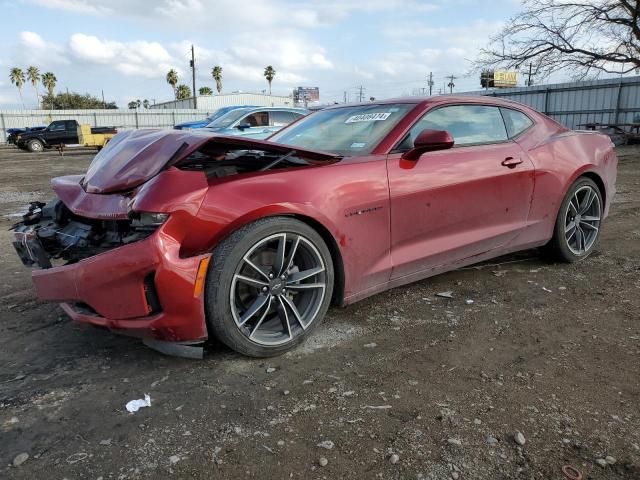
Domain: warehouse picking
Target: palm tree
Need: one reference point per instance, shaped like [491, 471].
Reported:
[17, 78]
[33, 74]
[49, 81]
[269, 74]
[183, 92]
[205, 91]
[216, 73]
[172, 79]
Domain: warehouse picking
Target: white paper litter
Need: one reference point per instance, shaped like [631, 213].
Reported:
[135, 405]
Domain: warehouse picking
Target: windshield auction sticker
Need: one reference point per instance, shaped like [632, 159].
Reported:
[368, 117]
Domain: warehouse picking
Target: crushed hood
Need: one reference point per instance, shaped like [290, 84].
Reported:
[132, 157]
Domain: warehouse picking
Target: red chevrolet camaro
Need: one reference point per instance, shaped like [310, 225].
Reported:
[178, 236]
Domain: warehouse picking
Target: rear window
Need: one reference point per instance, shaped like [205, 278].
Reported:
[516, 122]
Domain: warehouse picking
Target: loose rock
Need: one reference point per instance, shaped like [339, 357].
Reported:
[328, 444]
[394, 459]
[270, 370]
[602, 462]
[323, 462]
[173, 459]
[456, 442]
[491, 440]
[20, 459]
[519, 438]
[610, 460]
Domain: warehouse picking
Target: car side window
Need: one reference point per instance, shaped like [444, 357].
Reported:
[281, 119]
[256, 119]
[58, 127]
[71, 125]
[468, 124]
[516, 122]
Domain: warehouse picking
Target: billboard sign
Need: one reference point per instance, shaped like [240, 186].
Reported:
[303, 95]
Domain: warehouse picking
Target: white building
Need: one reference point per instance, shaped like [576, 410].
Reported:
[213, 102]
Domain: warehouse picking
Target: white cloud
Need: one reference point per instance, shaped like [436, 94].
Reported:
[226, 15]
[76, 6]
[35, 50]
[137, 58]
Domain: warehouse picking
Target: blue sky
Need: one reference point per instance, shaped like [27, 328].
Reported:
[125, 47]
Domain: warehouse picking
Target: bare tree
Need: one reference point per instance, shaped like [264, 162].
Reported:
[585, 37]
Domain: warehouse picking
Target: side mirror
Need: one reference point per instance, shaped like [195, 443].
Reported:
[429, 141]
[243, 126]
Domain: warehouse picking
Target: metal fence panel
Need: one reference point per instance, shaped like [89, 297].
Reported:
[573, 104]
[122, 119]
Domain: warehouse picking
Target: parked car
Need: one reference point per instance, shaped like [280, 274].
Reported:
[12, 133]
[58, 132]
[256, 122]
[180, 236]
[203, 123]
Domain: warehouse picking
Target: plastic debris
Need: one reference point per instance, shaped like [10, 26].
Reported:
[135, 405]
[448, 294]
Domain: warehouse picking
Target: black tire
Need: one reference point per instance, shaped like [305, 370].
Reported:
[35, 146]
[228, 265]
[559, 247]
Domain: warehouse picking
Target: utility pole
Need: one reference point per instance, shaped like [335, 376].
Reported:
[430, 83]
[361, 95]
[451, 84]
[345, 96]
[104, 105]
[529, 80]
[193, 76]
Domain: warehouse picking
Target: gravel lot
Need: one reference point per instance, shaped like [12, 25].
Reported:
[402, 385]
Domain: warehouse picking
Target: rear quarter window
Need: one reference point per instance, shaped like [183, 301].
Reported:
[515, 121]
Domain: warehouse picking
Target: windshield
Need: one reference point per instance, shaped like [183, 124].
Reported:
[346, 131]
[228, 118]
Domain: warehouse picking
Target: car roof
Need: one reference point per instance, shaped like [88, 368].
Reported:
[283, 109]
[438, 100]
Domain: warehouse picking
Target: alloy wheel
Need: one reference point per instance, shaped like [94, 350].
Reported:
[582, 220]
[278, 288]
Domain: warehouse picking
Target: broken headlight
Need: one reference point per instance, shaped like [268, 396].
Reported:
[147, 220]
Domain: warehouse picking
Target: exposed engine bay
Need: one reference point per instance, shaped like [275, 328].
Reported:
[217, 161]
[52, 232]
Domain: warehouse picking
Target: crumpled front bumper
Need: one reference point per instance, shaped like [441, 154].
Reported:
[143, 289]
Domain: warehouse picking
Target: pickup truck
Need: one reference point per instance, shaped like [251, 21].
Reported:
[61, 132]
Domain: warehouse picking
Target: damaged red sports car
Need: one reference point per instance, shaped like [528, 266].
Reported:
[178, 236]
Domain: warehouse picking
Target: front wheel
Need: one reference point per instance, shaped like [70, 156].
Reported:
[577, 228]
[269, 285]
[35, 146]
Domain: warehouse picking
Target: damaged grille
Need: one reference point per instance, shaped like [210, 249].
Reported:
[52, 232]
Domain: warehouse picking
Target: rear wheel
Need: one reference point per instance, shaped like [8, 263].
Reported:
[269, 286]
[577, 228]
[35, 146]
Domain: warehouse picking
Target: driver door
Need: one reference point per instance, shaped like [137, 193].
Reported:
[454, 204]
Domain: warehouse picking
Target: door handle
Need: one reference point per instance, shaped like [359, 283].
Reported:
[511, 162]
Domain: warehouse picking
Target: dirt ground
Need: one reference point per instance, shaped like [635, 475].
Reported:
[402, 385]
